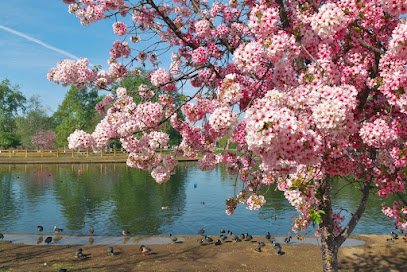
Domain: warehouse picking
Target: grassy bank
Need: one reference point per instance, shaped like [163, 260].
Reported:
[375, 255]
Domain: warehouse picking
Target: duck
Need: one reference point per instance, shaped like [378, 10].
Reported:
[235, 238]
[248, 237]
[125, 233]
[208, 239]
[91, 230]
[144, 250]
[201, 232]
[218, 242]
[57, 230]
[277, 248]
[78, 252]
[40, 228]
[288, 239]
[268, 236]
[200, 241]
[110, 251]
[173, 238]
[48, 240]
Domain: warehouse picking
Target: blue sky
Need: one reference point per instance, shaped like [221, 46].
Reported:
[26, 63]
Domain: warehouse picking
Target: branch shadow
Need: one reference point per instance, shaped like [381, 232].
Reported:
[392, 259]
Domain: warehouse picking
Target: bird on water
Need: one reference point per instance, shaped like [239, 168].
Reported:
[57, 230]
[40, 228]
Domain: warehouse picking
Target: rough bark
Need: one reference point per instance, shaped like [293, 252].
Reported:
[329, 247]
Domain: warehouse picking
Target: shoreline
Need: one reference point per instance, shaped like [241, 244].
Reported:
[74, 160]
[375, 255]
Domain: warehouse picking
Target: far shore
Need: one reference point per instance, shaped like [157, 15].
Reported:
[72, 160]
[375, 255]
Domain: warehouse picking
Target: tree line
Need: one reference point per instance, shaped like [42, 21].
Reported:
[26, 122]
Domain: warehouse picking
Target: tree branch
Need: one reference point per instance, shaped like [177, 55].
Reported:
[355, 217]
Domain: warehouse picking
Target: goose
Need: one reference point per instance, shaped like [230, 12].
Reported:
[39, 240]
[125, 233]
[222, 231]
[1, 236]
[57, 230]
[394, 235]
[223, 237]
[218, 242]
[48, 240]
[208, 239]
[287, 239]
[235, 238]
[268, 236]
[200, 241]
[78, 252]
[40, 228]
[258, 249]
[248, 237]
[173, 238]
[144, 250]
[277, 248]
[262, 244]
[242, 236]
[110, 251]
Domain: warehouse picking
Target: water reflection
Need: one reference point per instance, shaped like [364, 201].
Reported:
[112, 197]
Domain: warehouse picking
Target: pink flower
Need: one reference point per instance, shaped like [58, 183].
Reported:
[119, 28]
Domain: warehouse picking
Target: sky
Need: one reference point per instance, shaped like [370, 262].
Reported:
[35, 35]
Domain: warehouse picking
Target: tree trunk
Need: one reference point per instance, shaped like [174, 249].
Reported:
[329, 247]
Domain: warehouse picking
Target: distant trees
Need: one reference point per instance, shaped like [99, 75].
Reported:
[34, 120]
[12, 102]
[43, 140]
[77, 111]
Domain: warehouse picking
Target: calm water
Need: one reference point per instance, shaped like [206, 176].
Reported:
[112, 197]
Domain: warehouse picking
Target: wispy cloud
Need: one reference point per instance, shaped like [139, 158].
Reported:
[39, 42]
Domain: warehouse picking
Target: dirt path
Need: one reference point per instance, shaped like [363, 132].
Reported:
[376, 255]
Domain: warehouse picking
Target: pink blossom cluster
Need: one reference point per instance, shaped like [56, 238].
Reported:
[255, 202]
[250, 57]
[398, 43]
[119, 28]
[162, 78]
[80, 139]
[230, 90]
[202, 28]
[103, 105]
[145, 92]
[222, 119]
[394, 7]
[89, 11]
[263, 20]
[397, 212]
[377, 133]
[120, 49]
[329, 20]
[70, 72]
[200, 55]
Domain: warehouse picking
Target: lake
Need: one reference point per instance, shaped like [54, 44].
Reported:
[112, 197]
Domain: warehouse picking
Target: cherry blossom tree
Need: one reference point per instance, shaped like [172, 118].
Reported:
[44, 139]
[310, 90]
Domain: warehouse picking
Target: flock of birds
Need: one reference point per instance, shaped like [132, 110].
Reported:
[224, 237]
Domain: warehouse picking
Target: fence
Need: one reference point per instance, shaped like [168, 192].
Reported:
[56, 153]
